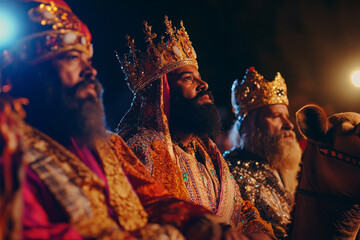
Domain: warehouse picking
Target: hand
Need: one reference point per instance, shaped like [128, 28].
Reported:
[154, 231]
[231, 234]
[206, 227]
[12, 167]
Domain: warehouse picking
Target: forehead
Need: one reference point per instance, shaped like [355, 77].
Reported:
[276, 108]
[184, 69]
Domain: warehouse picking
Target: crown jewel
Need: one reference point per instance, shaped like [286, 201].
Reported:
[254, 91]
[142, 68]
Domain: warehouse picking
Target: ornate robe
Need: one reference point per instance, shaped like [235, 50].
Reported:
[76, 193]
[208, 183]
[259, 185]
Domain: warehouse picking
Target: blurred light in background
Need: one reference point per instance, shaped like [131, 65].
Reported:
[355, 78]
[8, 27]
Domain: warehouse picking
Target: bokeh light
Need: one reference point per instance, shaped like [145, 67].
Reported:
[355, 78]
[7, 27]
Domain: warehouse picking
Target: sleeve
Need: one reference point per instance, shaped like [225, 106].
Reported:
[251, 222]
[161, 206]
[11, 170]
[141, 147]
[43, 217]
[36, 222]
[23, 214]
[246, 218]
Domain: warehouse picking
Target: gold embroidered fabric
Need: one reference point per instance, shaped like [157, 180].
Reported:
[130, 212]
[69, 171]
[165, 170]
[227, 206]
[160, 205]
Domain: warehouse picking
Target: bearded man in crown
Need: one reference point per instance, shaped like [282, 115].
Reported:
[266, 155]
[62, 175]
[169, 126]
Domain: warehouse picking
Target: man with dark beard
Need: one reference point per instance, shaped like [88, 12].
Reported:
[72, 108]
[192, 109]
[169, 124]
[190, 115]
[266, 155]
[73, 179]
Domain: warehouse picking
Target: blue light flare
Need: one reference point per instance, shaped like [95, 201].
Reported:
[8, 28]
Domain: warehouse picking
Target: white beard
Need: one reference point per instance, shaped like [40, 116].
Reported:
[283, 155]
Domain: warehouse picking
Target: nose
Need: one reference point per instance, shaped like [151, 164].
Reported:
[89, 71]
[287, 124]
[202, 85]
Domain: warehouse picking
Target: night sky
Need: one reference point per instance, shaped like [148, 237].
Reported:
[315, 45]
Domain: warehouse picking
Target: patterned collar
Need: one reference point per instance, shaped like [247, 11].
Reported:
[191, 148]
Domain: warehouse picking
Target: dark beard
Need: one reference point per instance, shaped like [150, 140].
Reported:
[188, 116]
[56, 111]
[85, 117]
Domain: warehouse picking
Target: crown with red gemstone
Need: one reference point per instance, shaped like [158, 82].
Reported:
[255, 91]
[142, 68]
[54, 29]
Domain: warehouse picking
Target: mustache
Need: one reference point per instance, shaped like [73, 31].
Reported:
[287, 133]
[85, 83]
[203, 93]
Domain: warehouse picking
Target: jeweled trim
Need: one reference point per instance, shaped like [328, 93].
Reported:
[342, 156]
[48, 44]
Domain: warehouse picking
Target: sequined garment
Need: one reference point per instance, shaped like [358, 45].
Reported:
[259, 185]
[210, 184]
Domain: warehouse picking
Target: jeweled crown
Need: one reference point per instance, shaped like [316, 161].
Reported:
[54, 29]
[142, 68]
[255, 91]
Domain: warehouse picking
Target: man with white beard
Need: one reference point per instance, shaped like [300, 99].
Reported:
[265, 156]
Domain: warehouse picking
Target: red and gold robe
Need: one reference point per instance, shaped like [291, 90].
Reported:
[76, 193]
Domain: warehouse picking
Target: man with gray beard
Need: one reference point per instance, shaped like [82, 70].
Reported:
[265, 156]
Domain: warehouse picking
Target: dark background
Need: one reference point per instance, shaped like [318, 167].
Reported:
[315, 45]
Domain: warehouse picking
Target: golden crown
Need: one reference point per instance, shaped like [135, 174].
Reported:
[142, 68]
[255, 91]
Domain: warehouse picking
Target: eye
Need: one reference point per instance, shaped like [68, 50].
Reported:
[188, 78]
[71, 57]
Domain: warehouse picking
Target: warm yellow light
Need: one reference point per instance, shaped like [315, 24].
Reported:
[355, 78]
